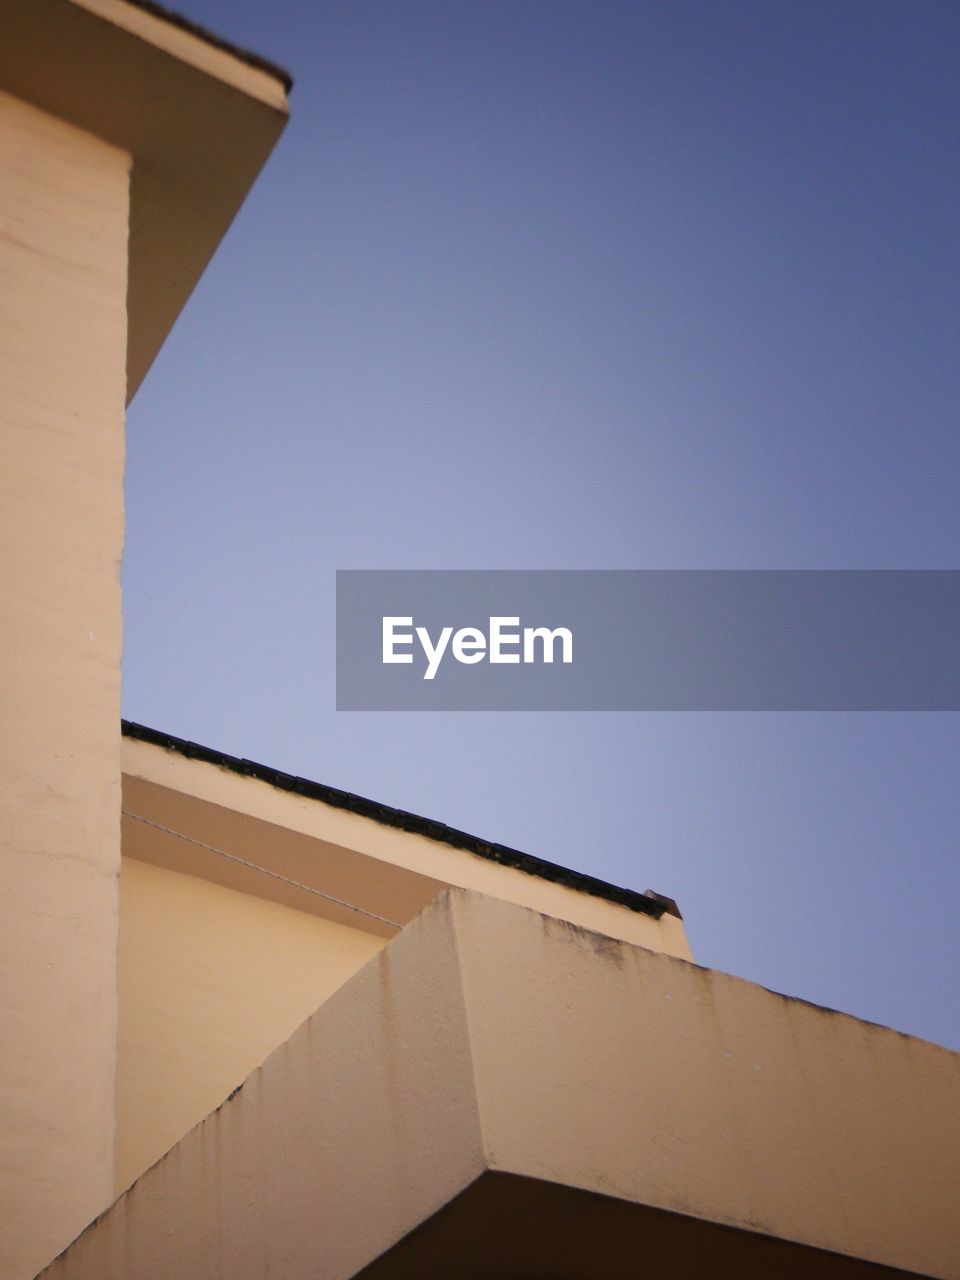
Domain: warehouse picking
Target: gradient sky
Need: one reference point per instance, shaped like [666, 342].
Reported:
[584, 285]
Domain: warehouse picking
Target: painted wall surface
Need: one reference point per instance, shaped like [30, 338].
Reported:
[211, 982]
[363, 1122]
[613, 1069]
[489, 1037]
[63, 259]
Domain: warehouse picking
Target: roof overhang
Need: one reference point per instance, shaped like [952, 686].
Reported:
[198, 118]
[499, 1094]
[385, 862]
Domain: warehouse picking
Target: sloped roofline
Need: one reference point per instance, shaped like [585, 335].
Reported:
[648, 903]
[210, 37]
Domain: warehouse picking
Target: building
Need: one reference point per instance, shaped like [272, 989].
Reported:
[201, 931]
[289, 1032]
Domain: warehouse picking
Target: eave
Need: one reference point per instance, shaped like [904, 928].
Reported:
[198, 118]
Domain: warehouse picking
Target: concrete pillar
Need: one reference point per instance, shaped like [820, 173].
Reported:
[63, 277]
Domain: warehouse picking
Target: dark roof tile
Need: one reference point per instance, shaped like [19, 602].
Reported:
[649, 903]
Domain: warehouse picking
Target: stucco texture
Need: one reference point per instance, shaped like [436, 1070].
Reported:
[63, 257]
[211, 981]
[493, 1056]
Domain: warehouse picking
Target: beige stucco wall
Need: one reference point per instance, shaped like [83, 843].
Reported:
[219, 963]
[488, 1040]
[692, 1091]
[211, 981]
[63, 256]
[364, 1121]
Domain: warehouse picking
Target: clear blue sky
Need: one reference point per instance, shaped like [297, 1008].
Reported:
[584, 285]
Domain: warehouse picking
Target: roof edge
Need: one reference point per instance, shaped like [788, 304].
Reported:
[218, 42]
[649, 903]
